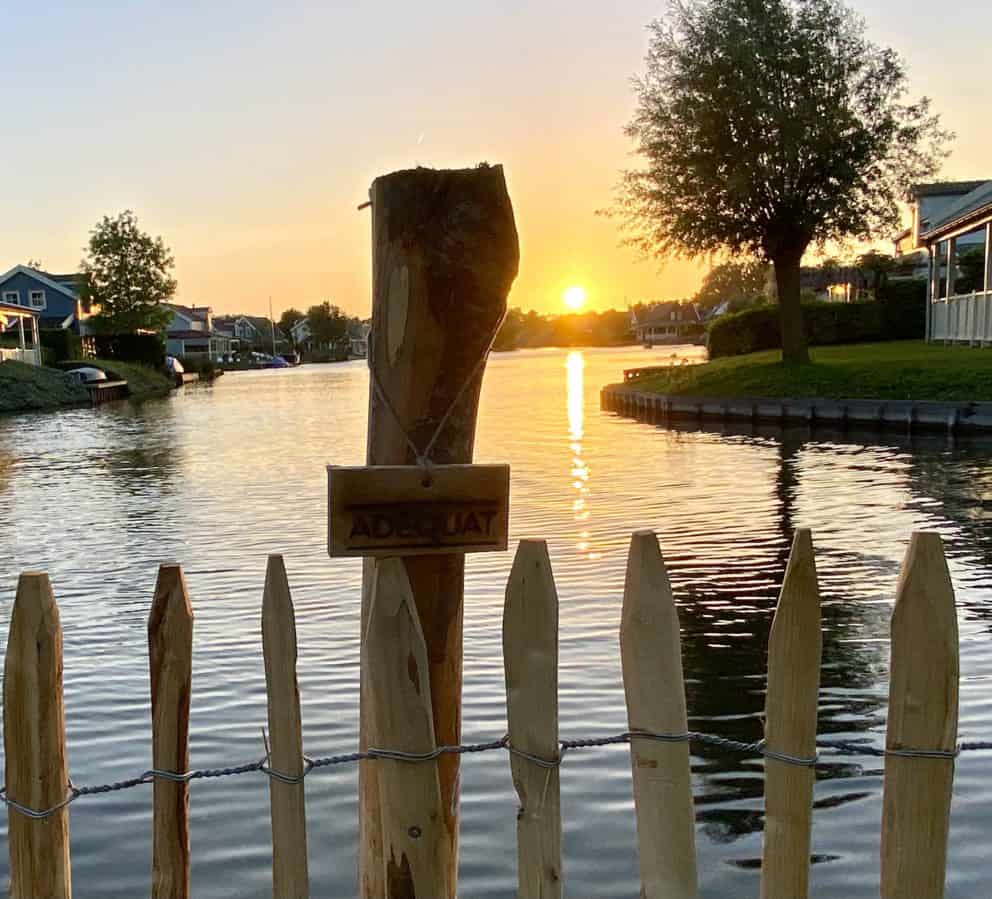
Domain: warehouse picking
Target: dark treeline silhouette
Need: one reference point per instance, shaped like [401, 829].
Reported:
[531, 329]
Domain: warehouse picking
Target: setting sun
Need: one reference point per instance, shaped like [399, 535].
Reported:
[574, 297]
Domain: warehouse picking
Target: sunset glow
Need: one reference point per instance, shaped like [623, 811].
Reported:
[574, 297]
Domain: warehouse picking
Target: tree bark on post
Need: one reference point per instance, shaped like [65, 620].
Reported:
[789, 289]
[444, 255]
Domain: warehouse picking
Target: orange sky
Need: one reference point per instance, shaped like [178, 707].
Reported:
[247, 141]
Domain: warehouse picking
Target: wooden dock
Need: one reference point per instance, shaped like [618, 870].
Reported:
[107, 391]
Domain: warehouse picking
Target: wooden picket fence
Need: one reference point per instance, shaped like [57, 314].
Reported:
[922, 718]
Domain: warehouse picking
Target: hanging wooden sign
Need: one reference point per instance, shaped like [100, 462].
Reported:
[397, 510]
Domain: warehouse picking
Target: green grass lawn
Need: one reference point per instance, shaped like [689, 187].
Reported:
[901, 370]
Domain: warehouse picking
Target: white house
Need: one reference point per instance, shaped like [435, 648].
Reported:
[22, 322]
[952, 227]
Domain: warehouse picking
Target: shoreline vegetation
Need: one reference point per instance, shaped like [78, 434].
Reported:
[35, 388]
[898, 370]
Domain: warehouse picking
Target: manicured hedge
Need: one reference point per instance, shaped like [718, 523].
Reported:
[824, 323]
[62, 343]
[147, 349]
[904, 309]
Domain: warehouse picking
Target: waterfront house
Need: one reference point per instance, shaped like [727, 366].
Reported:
[53, 299]
[191, 332]
[670, 322]
[952, 230]
[19, 334]
[835, 283]
[358, 337]
[301, 334]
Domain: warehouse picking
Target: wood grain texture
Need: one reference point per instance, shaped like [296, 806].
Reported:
[530, 659]
[651, 653]
[794, 650]
[923, 714]
[170, 650]
[390, 510]
[416, 850]
[444, 255]
[34, 743]
[288, 801]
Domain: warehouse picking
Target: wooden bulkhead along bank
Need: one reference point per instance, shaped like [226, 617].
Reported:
[388, 510]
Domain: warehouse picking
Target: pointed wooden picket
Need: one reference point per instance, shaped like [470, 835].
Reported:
[794, 648]
[170, 650]
[923, 715]
[34, 743]
[414, 844]
[287, 800]
[530, 659]
[651, 653]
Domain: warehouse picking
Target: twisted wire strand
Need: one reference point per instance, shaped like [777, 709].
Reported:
[423, 457]
[758, 747]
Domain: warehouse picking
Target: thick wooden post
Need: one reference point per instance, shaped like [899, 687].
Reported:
[444, 255]
[34, 743]
[530, 659]
[651, 652]
[287, 801]
[416, 848]
[923, 715]
[790, 726]
[170, 651]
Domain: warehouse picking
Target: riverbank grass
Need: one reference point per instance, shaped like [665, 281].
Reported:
[24, 388]
[900, 370]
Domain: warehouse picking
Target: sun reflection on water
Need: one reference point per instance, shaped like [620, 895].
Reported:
[575, 366]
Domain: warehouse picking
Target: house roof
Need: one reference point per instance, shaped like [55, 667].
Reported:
[19, 311]
[944, 188]
[196, 313]
[975, 202]
[48, 280]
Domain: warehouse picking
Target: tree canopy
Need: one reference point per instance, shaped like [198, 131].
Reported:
[328, 323]
[128, 274]
[766, 126]
[734, 280]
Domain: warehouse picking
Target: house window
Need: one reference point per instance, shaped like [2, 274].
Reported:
[37, 299]
[12, 297]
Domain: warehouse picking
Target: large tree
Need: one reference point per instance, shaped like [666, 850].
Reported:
[128, 274]
[767, 126]
[328, 324]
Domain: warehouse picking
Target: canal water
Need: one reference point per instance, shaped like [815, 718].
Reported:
[219, 476]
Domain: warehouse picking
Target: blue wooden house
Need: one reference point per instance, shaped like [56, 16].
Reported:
[53, 298]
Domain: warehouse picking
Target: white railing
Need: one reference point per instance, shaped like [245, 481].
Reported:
[30, 356]
[965, 318]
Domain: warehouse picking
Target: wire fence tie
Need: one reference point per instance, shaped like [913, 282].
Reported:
[788, 759]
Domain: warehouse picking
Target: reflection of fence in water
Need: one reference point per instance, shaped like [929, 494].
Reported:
[920, 743]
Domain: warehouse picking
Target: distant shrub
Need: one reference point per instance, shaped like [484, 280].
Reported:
[202, 364]
[62, 343]
[146, 349]
[824, 323]
[334, 354]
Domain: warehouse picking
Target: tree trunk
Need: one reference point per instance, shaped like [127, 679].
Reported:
[794, 349]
